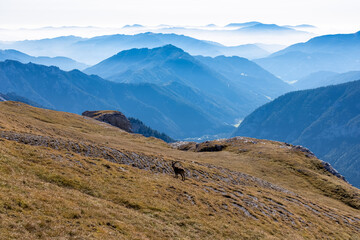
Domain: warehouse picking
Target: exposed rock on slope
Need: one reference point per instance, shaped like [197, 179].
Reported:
[131, 125]
[114, 118]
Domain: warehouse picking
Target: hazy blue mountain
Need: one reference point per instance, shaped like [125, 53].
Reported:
[245, 24]
[96, 49]
[59, 46]
[61, 62]
[77, 92]
[247, 74]
[133, 26]
[336, 43]
[326, 120]
[261, 28]
[171, 64]
[337, 53]
[304, 26]
[323, 78]
[106, 46]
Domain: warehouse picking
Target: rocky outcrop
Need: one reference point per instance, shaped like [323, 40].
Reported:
[332, 170]
[207, 146]
[114, 118]
[305, 150]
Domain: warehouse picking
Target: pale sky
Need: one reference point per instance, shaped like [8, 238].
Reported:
[337, 14]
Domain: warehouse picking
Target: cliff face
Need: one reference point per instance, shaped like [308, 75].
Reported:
[114, 118]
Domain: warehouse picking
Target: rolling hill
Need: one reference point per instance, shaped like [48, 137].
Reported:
[65, 176]
[326, 120]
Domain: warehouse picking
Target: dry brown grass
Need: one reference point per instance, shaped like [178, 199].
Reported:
[48, 193]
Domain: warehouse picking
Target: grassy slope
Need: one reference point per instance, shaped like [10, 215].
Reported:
[68, 193]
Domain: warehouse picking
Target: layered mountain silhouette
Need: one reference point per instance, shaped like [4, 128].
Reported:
[105, 46]
[326, 120]
[61, 62]
[337, 53]
[77, 92]
[236, 91]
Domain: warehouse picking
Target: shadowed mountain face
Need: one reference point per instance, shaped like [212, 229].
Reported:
[61, 62]
[77, 92]
[235, 91]
[337, 53]
[326, 120]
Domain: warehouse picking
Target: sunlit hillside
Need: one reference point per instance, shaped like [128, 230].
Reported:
[65, 176]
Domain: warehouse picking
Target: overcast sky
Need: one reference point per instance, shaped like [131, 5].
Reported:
[339, 14]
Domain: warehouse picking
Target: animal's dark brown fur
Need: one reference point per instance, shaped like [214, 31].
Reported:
[178, 170]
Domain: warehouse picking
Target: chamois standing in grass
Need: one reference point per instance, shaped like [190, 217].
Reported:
[178, 170]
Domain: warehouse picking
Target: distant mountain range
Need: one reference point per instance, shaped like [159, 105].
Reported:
[326, 120]
[234, 84]
[77, 92]
[254, 25]
[62, 62]
[105, 46]
[337, 53]
[165, 87]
